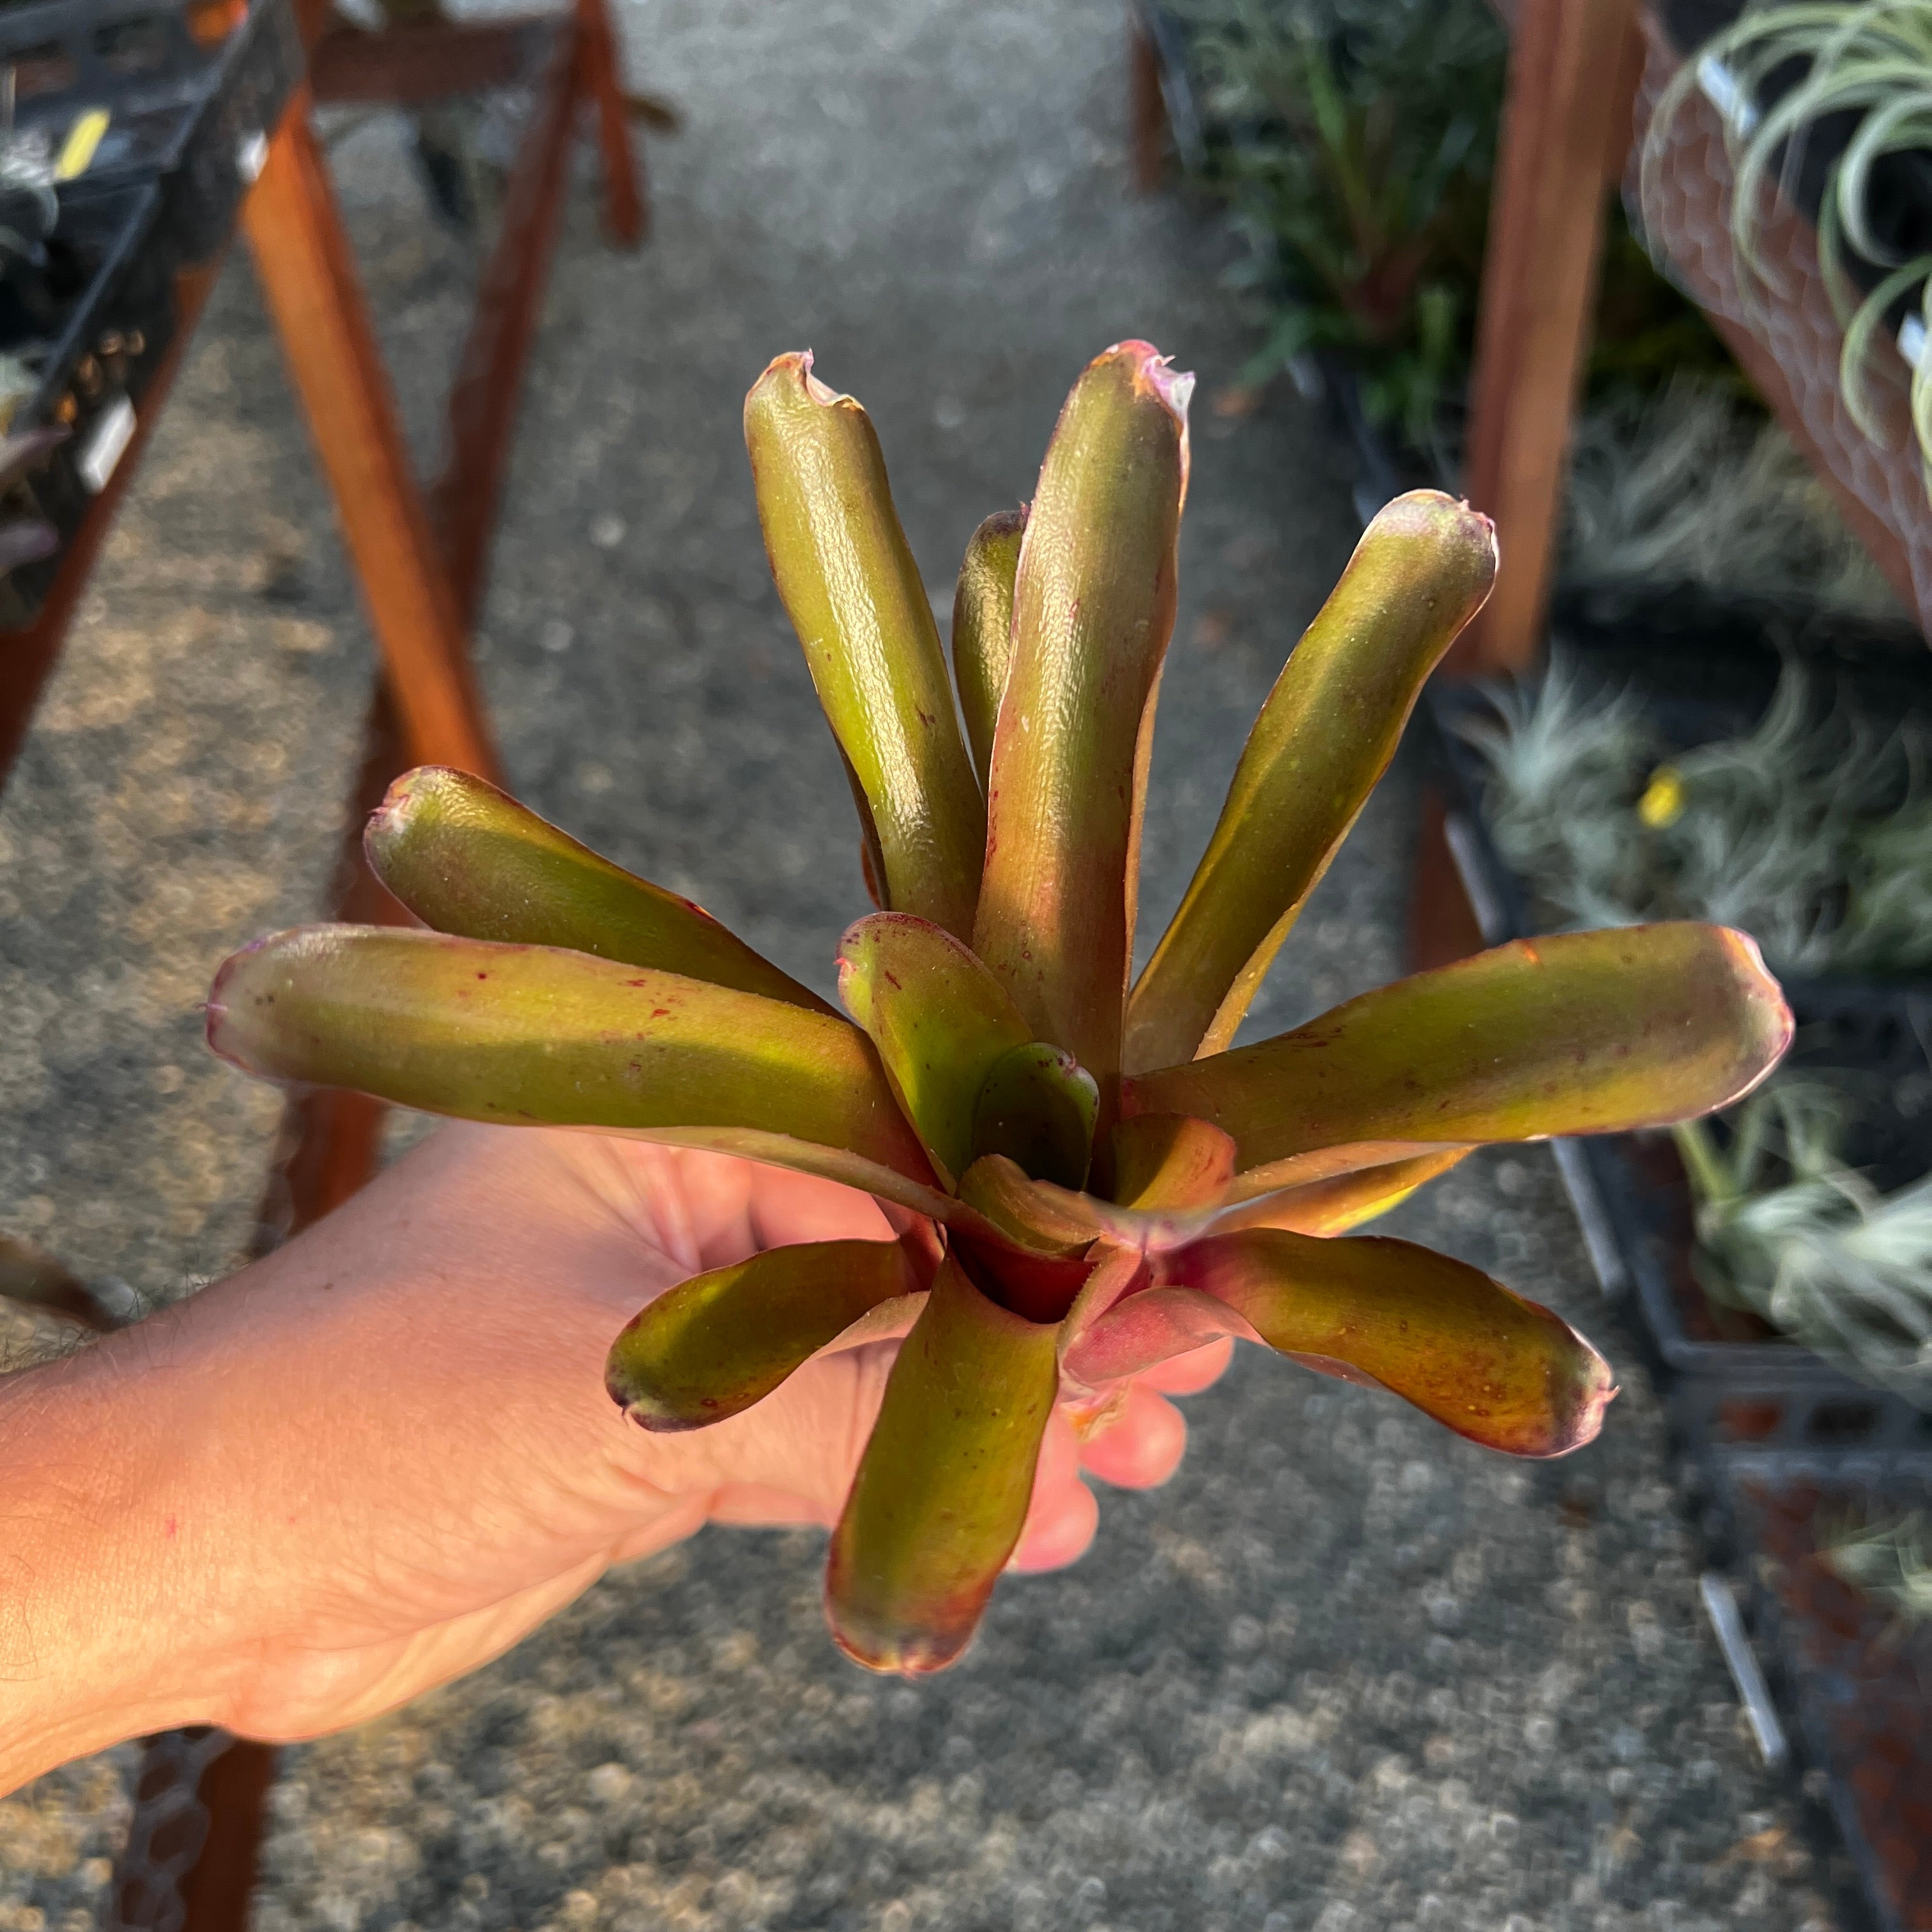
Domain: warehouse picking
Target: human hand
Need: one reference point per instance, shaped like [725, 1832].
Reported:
[375, 1459]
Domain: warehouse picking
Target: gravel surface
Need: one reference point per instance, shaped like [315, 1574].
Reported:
[1344, 1673]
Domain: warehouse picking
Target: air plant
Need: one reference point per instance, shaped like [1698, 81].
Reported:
[1689, 487]
[1785, 1230]
[1088, 1178]
[1890, 1562]
[1869, 59]
[1813, 836]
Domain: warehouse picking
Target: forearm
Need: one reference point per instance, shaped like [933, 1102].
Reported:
[267, 1506]
[96, 1640]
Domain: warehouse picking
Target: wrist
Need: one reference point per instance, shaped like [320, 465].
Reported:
[97, 1642]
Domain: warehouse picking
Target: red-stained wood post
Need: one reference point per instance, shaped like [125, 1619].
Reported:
[1573, 74]
[301, 254]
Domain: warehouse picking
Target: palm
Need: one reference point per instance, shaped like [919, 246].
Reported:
[489, 1478]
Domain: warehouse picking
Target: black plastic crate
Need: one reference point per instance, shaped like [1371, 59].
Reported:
[1853, 1686]
[193, 92]
[94, 325]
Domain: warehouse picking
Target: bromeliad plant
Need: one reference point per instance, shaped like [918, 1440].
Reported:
[1089, 1179]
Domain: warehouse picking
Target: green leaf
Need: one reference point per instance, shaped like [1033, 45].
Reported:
[1582, 1033]
[715, 1345]
[940, 1020]
[1094, 609]
[1036, 1106]
[1322, 743]
[1343, 1201]
[467, 859]
[941, 1494]
[1163, 1163]
[856, 598]
[1462, 1348]
[531, 1035]
[1043, 1220]
[982, 627]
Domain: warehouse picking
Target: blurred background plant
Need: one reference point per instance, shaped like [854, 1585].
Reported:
[1839, 91]
[1687, 487]
[1353, 142]
[1788, 1231]
[1812, 833]
[1891, 1562]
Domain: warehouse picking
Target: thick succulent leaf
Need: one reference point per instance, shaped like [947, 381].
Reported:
[1578, 1033]
[30, 1277]
[942, 1491]
[939, 1018]
[848, 579]
[715, 1345]
[982, 628]
[1502, 1371]
[1037, 1106]
[1341, 1202]
[1044, 1220]
[1322, 743]
[1093, 611]
[1115, 1271]
[1165, 1163]
[467, 859]
[1145, 1328]
[531, 1035]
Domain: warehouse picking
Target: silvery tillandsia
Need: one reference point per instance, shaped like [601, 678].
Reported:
[1088, 1177]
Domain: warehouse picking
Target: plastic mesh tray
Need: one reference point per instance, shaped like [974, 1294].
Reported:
[193, 92]
[124, 295]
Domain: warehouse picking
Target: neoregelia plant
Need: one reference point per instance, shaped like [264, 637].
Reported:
[1090, 1178]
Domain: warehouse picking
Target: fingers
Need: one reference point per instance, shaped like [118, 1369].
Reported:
[1138, 1443]
[1063, 1515]
[1188, 1374]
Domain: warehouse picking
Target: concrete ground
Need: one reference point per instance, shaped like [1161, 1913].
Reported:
[1345, 1673]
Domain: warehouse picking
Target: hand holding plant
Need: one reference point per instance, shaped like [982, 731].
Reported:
[375, 1459]
[1083, 1179]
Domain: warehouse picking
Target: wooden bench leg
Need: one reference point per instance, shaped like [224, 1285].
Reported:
[627, 214]
[294, 229]
[483, 399]
[1566, 126]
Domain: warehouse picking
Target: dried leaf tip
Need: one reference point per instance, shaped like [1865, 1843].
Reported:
[797, 363]
[1156, 374]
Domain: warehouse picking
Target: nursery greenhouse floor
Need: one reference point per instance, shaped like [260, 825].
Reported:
[1344, 1673]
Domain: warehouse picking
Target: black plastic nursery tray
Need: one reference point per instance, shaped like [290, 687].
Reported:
[92, 325]
[1855, 1682]
[1739, 1385]
[192, 90]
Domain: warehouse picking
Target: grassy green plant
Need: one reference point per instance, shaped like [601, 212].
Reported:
[1090, 1178]
[1891, 1562]
[1815, 838]
[1787, 1230]
[1358, 137]
[1353, 141]
[1869, 59]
